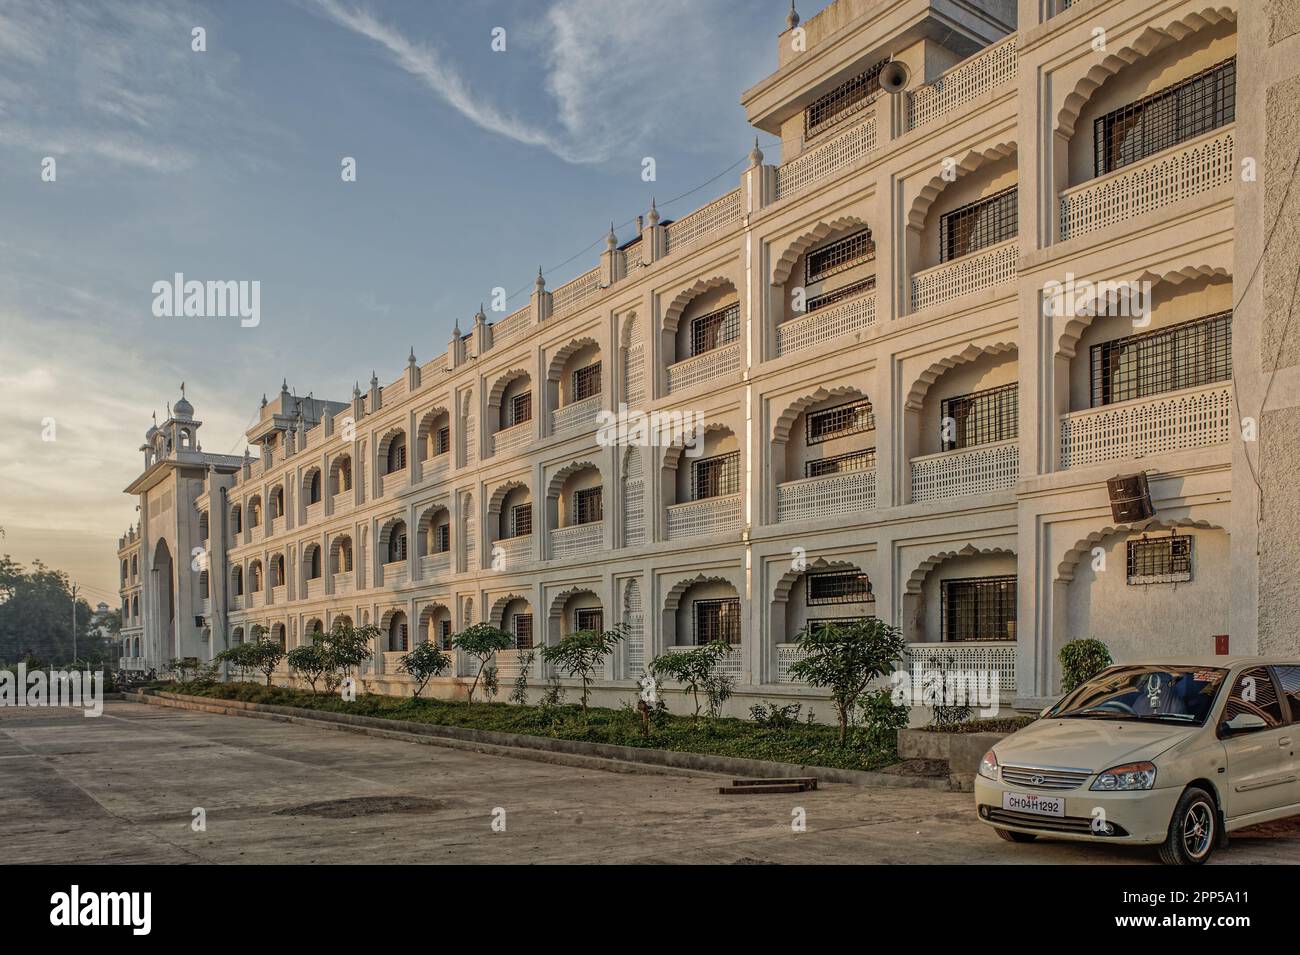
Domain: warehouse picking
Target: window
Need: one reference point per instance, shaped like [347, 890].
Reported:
[977, 225]
[313, 488]
[313, 570]
[397, 454]
[717, 620]
[521, 624]
[1289, 679]
[521, 520]
[587, 505]
[1164, 560]
[397, 637]
[589, 618]
[840, 294]
[839, 256]
[979, 608]
[845, 587]
[1254, 692]
[586, 382]
[442, 538]
[444, 634]
[981, 417]
[397, 544]
[237, 582]
[442, 441]
[715, 329]
[521, 408]
[715, 477]
[203, 584]
[841, 463]
[1183, 356]
[840, 421]
[1180, 112]
[847, 99]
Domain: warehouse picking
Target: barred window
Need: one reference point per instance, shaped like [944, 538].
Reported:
[839, 256]
[1183, 356]
[853, 417]
[442, 538]
[442, 441]
[981, 417]
[444, 634]
[396, 456]
[587, 505]
[717, 620]
[521, 408]
[522, 626]
[521, 520]
[1163, 560]
[847, 99]
[715, 477]
[979, 608]
[589, 618]
[1187, 109]
[715, 329]
[840, 294]
[397, 544]
[843, 587]
[586, 381]
[977, 225]
[841, 463]
[203, 584]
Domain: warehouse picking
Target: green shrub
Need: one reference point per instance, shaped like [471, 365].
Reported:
[1081, 660]
[881, 718]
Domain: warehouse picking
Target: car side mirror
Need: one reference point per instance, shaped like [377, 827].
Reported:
[1243, 723]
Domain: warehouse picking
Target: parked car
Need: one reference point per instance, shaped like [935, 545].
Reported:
[1175, 753]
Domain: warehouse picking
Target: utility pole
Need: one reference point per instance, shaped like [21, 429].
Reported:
[74, 624]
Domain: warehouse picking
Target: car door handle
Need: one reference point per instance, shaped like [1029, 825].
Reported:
[1284, 741]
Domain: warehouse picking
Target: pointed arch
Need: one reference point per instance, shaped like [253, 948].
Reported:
[968, 163]
[916, 395]
[785, 421]
[684, 296]
[785, 262]
[1065, 568]
[918, 575]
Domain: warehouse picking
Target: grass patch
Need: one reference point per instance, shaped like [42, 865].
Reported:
[803, 743]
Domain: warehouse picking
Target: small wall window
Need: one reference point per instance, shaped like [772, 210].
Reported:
[442, 538]
[717, 620]
[1187, 355]
[978, 225]
[839, 256]
[1162, 560]
[715, 477]
[586, 382]
[979, 608]
[444, 634]
[521, 520]
[715, 329]
[397, 544]
[589, 618]
[442, 441]
[587, 505]
[521, 408]
[844, 587]
[981, 417]
[840, 421]
[521, 624]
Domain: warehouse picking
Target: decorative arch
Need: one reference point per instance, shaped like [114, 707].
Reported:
[786, 582]
[337, 545]
[627, 337]
[425, 428]
[932, 374]
[427, 516]
[673, 453]
[673, 598]
[498, 609]
[783, 424]
[1147, 42]
[503, 382]
[312, 626]
[499, 495]
[1065, 569]
[574, 467]
[684, 297]
[563, 354]
[386, 529]
[784, 263]
[312, 479]
[917, 577]
[968, 163]
[340, 465]
[564, 596]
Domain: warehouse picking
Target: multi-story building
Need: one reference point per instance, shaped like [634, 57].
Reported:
[898, 419]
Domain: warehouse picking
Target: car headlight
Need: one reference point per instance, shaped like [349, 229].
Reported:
[989, 766]
[1126, 777]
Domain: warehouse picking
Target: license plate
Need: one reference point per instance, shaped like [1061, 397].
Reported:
[1034, 804]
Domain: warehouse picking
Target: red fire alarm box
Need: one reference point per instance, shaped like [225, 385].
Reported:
[1221, 644]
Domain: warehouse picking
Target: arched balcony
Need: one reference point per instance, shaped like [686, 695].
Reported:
[574, 386]
[341, 564]
[236, 588]
[514, 614]
[277, 578]
[433, 443]
[313, 571]
[256, 581]
[701, 335]
[392, 548]
[435, 541]
[701, 610]
[435, 626]
[510, 526]
[702, 485]
[255, 529]
[275, 508]
[575, 511]
[392, 461]
[311, 493]
[510, 413]
[340, 484]
[825, 593]
[824, 286]
[823, 456]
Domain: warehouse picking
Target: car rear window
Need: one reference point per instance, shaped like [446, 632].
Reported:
[1289, 679]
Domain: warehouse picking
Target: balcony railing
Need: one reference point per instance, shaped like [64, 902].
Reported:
[830, 495]
[511, 439]
[435, 467]
[979, 270]
[577, 539]
[393, 481]
[996, 656]
[732, 664]
[236, 601]
[315, 587]
[343, 583]
[989, 467]
[837, 155]
[277, 594]
[701, 223]
[395, 573]
[342, 502]
[508, 666]
[315, 511]
[512, 324]
[512, 551]
[963, 84]
[1178, 173]
[576, 416]
[255, 534]
[433, 564]
[571, 295]
[843, 318]
[708, 516]
[1190, 418]
[718, 363]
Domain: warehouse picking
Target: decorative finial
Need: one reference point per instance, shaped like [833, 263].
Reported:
[410, 359]
[356, 390]
[455, 329]
[755, 154]
[611, 240]
[792, 18]
[653, 215]
[264, 399]
[374, 379]
[284, 386]
[541, 282]
[182, 389]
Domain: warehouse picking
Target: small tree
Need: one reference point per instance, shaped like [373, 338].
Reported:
[346, 648]
[582, 653]
[241, 657]
[1081, 660]
[311, 661]
[520, 692]
[697, 669]
[266, 655]
[845, 658]
[481, 641]
[423, 663]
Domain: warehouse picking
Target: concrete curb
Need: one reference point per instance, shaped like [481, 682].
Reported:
[628, 759]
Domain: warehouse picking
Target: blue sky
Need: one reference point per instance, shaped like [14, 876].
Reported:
[474, 167]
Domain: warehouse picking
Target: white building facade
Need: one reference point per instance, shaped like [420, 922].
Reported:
[896, 421]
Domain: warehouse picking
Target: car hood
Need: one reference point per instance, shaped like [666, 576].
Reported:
[1094, 745]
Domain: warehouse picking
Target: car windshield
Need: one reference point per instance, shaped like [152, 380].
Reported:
[1167, 694]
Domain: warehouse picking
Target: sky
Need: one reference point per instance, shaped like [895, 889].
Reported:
[473, 168]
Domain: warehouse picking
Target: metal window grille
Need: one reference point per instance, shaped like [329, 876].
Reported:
[586, 381]
[715, 329]
[587, 505]
[841, 463]
[442, 441]
[442, 538]
[981, 417]
[521, 520]
[522, 625]
[840, 294]
[1173, 115]
[839, 256]
[979, 608]
[853, 417]
[397, 546]
[521, 408]
[397, 455]
[1183, 356]
[814, 624]
[715, 477]
[397, 637]
[1162, 560]
[977, 225]
[203, 584]
[444, 634]
[717, 620]
[589, 618]
[844, 587]
[847, 99]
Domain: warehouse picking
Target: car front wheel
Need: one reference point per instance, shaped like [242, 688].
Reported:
[1193, 830]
